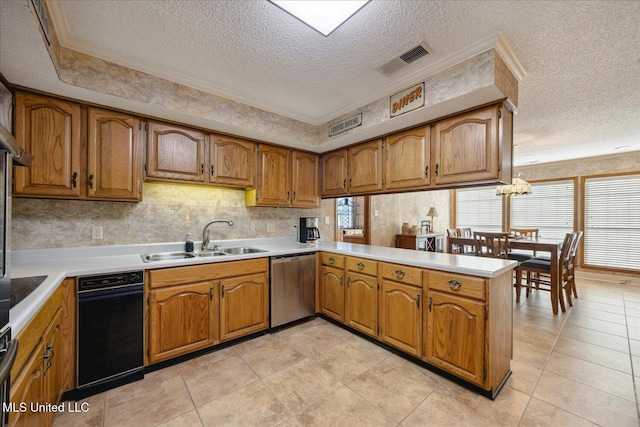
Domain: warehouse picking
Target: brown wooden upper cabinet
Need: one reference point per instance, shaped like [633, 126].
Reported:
[286, 178]
[108, 167]
[407, 158]
[232, 161]
[175, 153]
[468, 147]
[334, 173]
[365, 167]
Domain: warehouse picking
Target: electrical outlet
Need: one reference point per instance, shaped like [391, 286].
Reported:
[271, 228]
[97, 232]
[375, 212]
[327, 220]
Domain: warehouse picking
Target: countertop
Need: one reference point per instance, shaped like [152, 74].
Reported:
[57, 264]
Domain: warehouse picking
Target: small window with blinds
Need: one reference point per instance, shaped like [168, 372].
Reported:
[612, 221]
[550, 208]
[479, 208]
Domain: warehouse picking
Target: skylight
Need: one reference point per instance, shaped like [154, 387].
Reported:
[322, 16]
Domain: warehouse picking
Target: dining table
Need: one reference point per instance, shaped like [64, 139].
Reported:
[539, 244]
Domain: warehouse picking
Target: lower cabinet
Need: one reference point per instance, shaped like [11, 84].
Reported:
[361, 305]
[181, 320]
[42, 367]
[194, 307]
[332, 286]
[401, 317]
[244, 305]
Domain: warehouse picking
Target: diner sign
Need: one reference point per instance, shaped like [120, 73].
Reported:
[345, 125]
[407, 100]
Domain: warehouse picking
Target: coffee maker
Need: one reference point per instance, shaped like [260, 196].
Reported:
[308, 230]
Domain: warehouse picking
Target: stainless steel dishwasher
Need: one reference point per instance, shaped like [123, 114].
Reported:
[293, 288]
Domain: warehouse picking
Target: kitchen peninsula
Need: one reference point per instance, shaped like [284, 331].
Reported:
[448, 313]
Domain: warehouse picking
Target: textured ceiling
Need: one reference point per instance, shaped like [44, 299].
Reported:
[580, 96]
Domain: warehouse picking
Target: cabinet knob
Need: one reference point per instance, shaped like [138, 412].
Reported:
[331, 260]
[360, 266]
[454, 284]
[399, 274]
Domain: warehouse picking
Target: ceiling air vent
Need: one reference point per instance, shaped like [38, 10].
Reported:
[405, 59]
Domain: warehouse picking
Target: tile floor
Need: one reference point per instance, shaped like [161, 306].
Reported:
[574, 369]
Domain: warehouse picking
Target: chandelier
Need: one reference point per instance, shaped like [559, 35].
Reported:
[517, 187]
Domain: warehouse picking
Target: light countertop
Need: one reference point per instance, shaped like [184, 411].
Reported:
[57, 264]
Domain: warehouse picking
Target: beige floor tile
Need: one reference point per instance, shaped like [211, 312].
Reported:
[93, 417]
[634, 347]
[250, 405]
[269, 354]
[217, 379]
[523, 377]
[542, 414]
[598, 325]
[206, 359]
[300, 385]
[601, 339]
[345, 361]
[530, 354]
[188, 419]
[595, 354]
[506, 409]
[618, 317]
[148, 405]
[593, 375]
[586, 402]
[418, 373]
[634, 332]
[311, 340]
[594, 305]
[390, 389]
[343, 407]
[440, 410]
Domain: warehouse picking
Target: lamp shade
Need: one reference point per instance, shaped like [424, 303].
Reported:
[432, 212]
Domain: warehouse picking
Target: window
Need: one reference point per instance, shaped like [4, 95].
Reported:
[479, 208]
[612, 221]
[346, 211]
[549, 208]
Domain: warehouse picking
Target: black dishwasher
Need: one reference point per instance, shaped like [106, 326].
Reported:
[110, 330]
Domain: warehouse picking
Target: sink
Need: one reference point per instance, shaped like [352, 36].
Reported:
[20, 288]
[167, 256]
[242, 251]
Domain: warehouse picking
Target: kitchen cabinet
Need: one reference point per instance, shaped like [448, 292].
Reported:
[244, 305]
[115, 156]
[181, 320]
[473, 147]
[365, 167]
[361, 300]
[51, 130]
[332, 285]
[468, 332]
[42, 366]
[401, 308]
[108, 167]
[286, 178]
[175, 153]
[334, 173]
[233, 161]
[195, 307]
[407, 156]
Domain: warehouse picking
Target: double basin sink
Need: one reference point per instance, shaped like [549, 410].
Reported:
[165, 256]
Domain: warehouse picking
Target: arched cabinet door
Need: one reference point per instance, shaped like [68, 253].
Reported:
[365, 167]
[407, 156]
[244, 305]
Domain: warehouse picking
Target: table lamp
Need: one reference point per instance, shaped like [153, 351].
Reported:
[432, 213]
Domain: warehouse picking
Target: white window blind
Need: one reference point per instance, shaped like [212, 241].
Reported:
[612, 222]
[479, 208]
[549, 208]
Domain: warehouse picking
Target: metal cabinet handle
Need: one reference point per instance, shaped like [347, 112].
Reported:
[344, 183]
[91, 181]
[341, 277]
[331, 260]
[360, 266]
[222, 291]
[348, 281]
[212, 169]
[454, 285]
[294, 195]
[74, 179]
[211, 293]
[426, 171]
[418, 300]
[399, 274]
[436, 169]
[201, 168]
[430, 303]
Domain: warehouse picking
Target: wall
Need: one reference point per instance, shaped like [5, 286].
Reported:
[167, 213]
[624, 162]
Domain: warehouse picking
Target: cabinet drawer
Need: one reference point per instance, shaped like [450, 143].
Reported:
[203, 272]
[402, 273]
[364, 266]
[332, 260]
[466, 286]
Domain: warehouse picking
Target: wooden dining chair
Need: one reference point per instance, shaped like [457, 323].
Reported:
[493, 245]
[542, 270]
[569, 281]
[530, 233]
[461, 232]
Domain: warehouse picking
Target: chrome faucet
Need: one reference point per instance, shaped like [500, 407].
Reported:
[205, 232]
